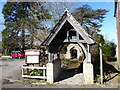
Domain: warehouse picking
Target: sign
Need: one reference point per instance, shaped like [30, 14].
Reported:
[32, 59]
[32, 56]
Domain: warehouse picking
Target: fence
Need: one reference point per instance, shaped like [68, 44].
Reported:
[34, 72]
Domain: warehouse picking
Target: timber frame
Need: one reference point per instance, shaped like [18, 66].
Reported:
[60, 34]
[68, 30]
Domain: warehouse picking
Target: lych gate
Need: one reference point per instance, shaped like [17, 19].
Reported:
[67, 30]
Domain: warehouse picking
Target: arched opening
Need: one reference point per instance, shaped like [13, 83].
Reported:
[73, 53]
[71, 65]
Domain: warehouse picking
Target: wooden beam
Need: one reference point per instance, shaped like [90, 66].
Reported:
[41, 77]
[101, 66]
[27, 67]
[78, 41]
[77, 35]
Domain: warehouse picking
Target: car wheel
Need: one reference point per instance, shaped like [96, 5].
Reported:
[19, 57]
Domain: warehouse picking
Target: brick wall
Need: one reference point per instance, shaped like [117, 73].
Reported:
[118, 30]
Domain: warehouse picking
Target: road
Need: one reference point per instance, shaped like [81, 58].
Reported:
[11, 68]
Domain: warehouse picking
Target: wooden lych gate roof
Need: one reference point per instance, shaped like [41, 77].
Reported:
[67, 18]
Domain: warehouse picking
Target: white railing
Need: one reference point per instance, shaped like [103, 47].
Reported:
[24, 67]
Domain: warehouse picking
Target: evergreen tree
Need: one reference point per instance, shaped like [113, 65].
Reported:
[23, 18]
[89, 18]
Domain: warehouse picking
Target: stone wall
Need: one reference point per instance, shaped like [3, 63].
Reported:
[88, 73]
[53, 70]
[118, 30]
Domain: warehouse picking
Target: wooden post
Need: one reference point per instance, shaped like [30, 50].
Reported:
[67, 35]
[22, 70]
[88, 48]
[49, 57]
[101, 66]
[43, 72]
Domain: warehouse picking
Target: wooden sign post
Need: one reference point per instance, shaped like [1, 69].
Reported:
[101, 64]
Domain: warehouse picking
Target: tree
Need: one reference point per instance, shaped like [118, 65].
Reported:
[57, 9]
[89, 18]
[10, 41]
[112, 46]
[22, 18]
[106, 50]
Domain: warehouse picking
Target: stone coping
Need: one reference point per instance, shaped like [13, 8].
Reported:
[32, 50]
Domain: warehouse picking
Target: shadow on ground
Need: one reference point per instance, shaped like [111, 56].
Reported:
[109, 71]
[70, 73]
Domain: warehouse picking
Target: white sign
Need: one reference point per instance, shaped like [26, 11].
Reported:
[32, 59]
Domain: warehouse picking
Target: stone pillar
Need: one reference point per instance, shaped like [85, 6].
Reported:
[53, 70]
[50, 78]
[88, 72]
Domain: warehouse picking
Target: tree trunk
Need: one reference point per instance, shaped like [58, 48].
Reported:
[22, 41]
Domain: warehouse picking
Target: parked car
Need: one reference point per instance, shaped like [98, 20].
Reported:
[17, 54]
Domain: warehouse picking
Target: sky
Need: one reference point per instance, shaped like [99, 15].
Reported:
[1, 19]
[108, 30]
[109, 24]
